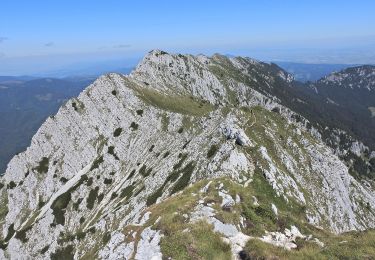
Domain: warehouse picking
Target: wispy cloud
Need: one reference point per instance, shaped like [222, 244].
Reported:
[121, 46]
[2, 39]
[49, 44]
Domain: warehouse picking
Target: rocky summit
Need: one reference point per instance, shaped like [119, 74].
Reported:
[187, 157]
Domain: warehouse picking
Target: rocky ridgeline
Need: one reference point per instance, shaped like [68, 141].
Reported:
[128, 143]
[362, 77]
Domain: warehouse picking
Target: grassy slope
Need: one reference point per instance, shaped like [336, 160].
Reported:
[201, 242]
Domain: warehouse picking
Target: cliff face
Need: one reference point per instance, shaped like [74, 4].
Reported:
[97, 178]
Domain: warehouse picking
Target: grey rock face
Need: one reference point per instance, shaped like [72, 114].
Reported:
[128, 142]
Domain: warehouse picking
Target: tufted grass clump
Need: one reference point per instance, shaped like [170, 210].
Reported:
[11, 185]
[106, 237]
[42, 166]
[183, 157]
[92, 198]
[59, 207]
[183, 181]
[212, 151]
[134, 126]
[165, 155]
[144, 171]
[97, 162]
[131, 174]
[127, 192]
[66, 253]
[139, 112]
[117, 132]
[358, 245]
[78, 106]
[154, 196]
[107, 181]
[111, 151]
[22, 234]
[201, 242]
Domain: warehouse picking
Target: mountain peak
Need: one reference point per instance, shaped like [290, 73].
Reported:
[184, 143]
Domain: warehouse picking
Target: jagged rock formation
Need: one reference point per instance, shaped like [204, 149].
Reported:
[128, 143]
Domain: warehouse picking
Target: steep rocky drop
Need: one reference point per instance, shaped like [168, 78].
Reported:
[125, 165]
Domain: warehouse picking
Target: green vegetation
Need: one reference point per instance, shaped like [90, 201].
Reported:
[97, 162]
[186, 144]
[111, 151]
[139, 112]
[92, 198]
[131, 174]
[3, 206]
[182, 157]
[107, 181]
[63, 180]
[154, 196]
[76, 204]
[43, 165]
[66, 253]
[164, 122]
[114, 195]
[184, 176]
[117, 132]
[353, 245]
[183, 181]
[201, 242]
[106, 238]
[134, 126]
[166, 154]
[100, 197]
[59, 206]
[180, 104]
[188, 122]
[78, 106]
[22, 234]
[89, 181]
[144, 172]
[212, 151]
[44, 249]
[127, 192]
[11, 185]
[74, 105]
[11, 232]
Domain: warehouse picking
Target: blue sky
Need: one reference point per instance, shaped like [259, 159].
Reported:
[52, 34]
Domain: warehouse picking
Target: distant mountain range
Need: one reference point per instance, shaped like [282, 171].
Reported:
[311, 72]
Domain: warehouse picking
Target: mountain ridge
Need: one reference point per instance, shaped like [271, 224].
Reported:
[128, 145]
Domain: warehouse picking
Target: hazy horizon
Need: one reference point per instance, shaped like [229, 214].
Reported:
[42, 37]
